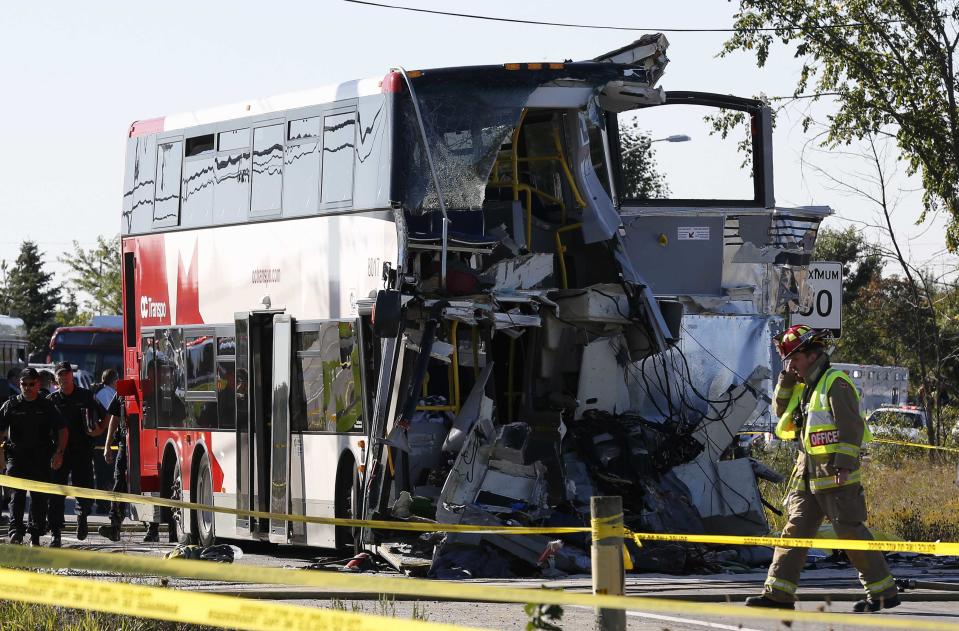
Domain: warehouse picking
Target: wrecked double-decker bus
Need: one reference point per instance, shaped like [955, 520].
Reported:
[438, 296]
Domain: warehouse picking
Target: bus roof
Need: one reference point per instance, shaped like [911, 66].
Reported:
[331, 93]
[254, 107]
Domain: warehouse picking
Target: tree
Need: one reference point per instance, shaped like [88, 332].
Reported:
[861, 261]
[31, 295]
[69, 313]
[891, 67]
[96, 273]
[641, 176]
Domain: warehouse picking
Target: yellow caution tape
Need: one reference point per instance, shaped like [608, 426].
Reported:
[921, 547]
[77, 491]
[604, 527]
[598, 527]
[419, 588]
[192, 607]
[904, 443]
[888, 441]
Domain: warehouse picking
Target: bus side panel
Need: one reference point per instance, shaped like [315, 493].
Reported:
[221, 447]
[317, 478]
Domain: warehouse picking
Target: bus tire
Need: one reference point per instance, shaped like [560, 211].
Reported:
[173, 489]
[204, 522]
[347, 502]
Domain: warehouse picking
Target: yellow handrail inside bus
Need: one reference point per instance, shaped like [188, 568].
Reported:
[561, 251]
[454, 379]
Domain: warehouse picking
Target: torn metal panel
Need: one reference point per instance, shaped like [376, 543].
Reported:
[715, 353]
[726, 496]
[602, 383]
[647, 52]
[600, 218]
[599, 303]
[477, 407]
[522, 272]
[730, 410]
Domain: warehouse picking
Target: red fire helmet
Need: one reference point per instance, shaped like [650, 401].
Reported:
[796, 337]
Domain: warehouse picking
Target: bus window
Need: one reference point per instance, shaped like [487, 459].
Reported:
[225, 393]
[199, 363]
[301, 168]
[326, 380]
[197, 191]
[166, 206]
[232, 199]
[148, 382]
[171, 407]
[339, 138]
[267, 170]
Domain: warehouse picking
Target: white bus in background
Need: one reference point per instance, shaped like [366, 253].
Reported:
[13, 344]
[878, 385]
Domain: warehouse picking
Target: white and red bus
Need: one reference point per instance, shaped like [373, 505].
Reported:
[256, 237]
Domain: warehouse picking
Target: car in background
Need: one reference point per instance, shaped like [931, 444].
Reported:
[82, 378]
[907, 422]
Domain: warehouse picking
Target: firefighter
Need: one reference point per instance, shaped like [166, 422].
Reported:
[818, 406]
[29, 427]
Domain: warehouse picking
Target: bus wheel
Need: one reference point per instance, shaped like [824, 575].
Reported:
[347, 506]
[203, 521]
[176, 523]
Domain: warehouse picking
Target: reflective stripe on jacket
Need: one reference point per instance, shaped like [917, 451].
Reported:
[821, 435]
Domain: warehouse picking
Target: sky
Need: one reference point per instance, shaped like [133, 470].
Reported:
[75, 75]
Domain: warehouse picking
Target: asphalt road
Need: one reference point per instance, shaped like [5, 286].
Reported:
[822, 590]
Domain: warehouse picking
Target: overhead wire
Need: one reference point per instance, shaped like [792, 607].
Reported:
[608, 27]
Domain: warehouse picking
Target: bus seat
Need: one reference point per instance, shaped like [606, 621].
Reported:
[466, 229]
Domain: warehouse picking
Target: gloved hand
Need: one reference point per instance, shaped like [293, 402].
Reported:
[787, 379]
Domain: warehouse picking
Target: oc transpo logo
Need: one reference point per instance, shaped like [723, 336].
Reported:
[151, 309]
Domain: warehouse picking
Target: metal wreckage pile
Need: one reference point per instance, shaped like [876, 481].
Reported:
[579, 352]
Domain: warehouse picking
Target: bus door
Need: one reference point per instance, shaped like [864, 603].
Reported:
[254, 415]
[279, 433]
[143, 463]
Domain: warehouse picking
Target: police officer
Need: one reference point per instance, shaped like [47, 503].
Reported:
[29, 427]
[116, 433]
[84, 417]
[818, 407]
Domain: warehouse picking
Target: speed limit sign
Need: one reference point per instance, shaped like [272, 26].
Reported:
[825, 310]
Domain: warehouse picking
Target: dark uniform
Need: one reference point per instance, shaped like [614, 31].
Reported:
[80, 409]
[32, 428]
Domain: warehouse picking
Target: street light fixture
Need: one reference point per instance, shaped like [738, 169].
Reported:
[648, 142]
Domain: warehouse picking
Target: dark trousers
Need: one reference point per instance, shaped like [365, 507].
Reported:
[118, 509]
[103, 472]
[77, 468]
[30, 467]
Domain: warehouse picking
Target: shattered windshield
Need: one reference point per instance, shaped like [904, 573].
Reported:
[468, 116]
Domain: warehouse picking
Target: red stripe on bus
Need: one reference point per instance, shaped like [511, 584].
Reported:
[146, 127]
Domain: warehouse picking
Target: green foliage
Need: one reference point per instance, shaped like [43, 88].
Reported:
[641, 177]
[861, 261]
[96, 273]
[725, 122]
[29, 293]
[18, 616]
[891, 66]
[543, 617]
[907, 496]
[69, 313]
